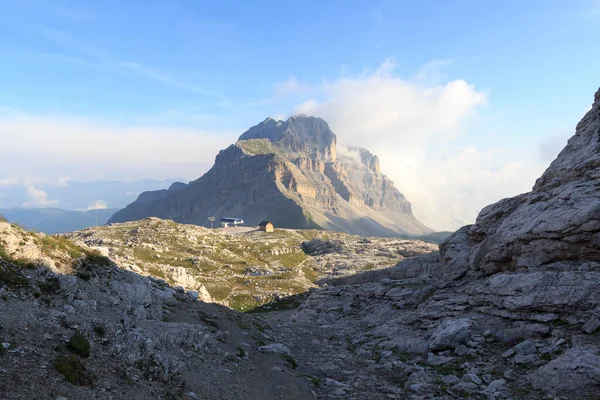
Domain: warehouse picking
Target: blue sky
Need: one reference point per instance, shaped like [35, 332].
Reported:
[198, 73]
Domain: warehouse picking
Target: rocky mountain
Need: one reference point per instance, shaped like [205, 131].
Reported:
[509, 308]
[52, 220]
[291, 173]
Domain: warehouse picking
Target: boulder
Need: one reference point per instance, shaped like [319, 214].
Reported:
[450, 333]
[576, 371]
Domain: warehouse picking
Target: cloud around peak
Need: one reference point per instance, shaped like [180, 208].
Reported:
[421, 129]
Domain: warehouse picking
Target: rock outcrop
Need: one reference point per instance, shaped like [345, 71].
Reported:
[291, 173]
[558, 221]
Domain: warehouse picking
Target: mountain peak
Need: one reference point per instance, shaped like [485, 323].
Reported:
[299, 134]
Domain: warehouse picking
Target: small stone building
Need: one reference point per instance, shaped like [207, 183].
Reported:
[266, 226]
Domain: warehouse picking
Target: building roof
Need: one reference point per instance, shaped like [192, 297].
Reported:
[265, 223]
[232, 220]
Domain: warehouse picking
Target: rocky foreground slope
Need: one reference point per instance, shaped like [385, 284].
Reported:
[508, 309]
[291, 173]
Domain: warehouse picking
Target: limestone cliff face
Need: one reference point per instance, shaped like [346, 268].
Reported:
[558, 221]
[290, 173]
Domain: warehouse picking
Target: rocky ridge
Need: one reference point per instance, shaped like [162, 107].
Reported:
[291, 173]
[239, 268]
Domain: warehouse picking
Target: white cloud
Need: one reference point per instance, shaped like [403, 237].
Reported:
[278, 117]
[418, 128]
[97, 205]
[9, 181]
[381, 104]
[37, 198]
[287, 87]
[63, 149]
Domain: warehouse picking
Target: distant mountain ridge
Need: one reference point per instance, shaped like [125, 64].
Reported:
[53, 220]
[291, 173]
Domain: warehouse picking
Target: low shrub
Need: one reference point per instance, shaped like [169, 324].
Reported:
[79, 344]
[50, 285]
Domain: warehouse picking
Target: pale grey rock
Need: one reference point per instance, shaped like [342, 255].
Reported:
[592, 325]
[496, 390]
[473, 378]
[525, 359]
[455, 253]
[434, 360]
[468, 387]
[461, 350]
[85, 305]
[274, 348]
[526, 347]
[508, 353]
[576, 371]
[450, 333]
[450, 379]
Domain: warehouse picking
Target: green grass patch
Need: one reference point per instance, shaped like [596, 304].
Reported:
[156, 272]
[12, 277]
[368, 267]
[17, 262]
[286, 303]
[291, 260]
[95, 259]
[315, 380]
[50, 285]
[49, 244]
[310, 274]
[146, 255]
[290, 360]
[243, 302]
[218, 290]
